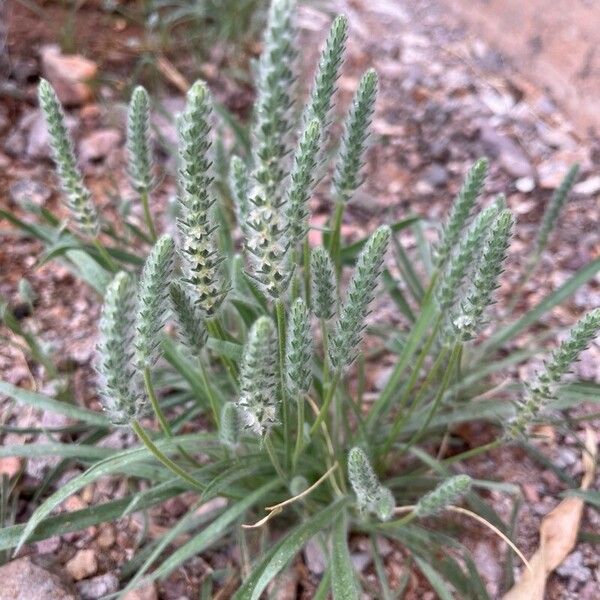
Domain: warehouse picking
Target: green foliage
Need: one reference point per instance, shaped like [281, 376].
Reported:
[262, 385]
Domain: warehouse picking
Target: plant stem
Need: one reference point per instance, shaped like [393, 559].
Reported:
[328, 398]
[215, 330]
[335, 235]
[273, 456]
[165, 460]
[148, 215]
[160, 415]
[214, 404]
[111, 265]
[299, 432]
[280, 315]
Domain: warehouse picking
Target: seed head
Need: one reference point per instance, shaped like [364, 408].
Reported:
[138, 141]
[189, 319]
[324, 292]
[77, 196]
[119, 379]
[299, 351]
[444, 495]
[153, 301]
[258, 378]
[231, 425]
[348, 334]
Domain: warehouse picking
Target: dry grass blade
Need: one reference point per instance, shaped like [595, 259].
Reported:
[558, 533]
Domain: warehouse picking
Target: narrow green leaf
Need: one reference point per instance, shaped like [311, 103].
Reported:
[46, 403]
[343, 581]
[282, 552]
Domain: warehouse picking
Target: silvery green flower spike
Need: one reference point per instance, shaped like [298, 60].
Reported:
[347, 177]
[199, 241]
[119, 379]
[461, 210]
[190, 321]
[77, 196]
[153, 301]
[230, 425]
[349, 328]
[371, 496]
[302, 182]
[444, 495]
[266, 235]
[485, 280]
[327, 74]
[299, 351]
[552, 211]
[138, 141]
[258, 378]
[324, 288]
[458, 265]
[543, 389]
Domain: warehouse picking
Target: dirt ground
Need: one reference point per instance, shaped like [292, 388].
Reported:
[449, 94]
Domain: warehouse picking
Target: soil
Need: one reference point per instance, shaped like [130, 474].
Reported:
[448, 95]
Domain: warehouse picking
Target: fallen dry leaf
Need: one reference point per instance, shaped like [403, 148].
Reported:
[558, 534]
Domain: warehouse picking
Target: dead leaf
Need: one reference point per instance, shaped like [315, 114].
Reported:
[558, 533]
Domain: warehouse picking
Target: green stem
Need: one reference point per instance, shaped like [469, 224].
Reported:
[472, 452]
[335, 236]
[330, 394]
[215, 330]
[452, 362]
[160, 415]
[148, 215]
[165, 460]
[299, 432]
[273, 456]
[280, 315]
[214, 404]
[111, 265]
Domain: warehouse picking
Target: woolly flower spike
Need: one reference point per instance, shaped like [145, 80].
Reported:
[153, 301]
[371, 496]
[240, 188]
[444, 495]
[138, 141]
[266, 234]
[347, 178]
[299, 351]
[324, 291]
[273, 107]
[553, 209]
[231, 425]
[78, 197]
[258, 379]
[561, 360]
[348, 333]
[485, 280]
[327, 73]
[302, 182]
[116, 367]
[190, 322]
[458, 265]
[461, 209]
[202, 259]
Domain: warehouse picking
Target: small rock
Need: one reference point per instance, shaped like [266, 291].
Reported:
[146, 592]
[82, 565]
[589, 187]
[10, 466]
[508, 153]
[34, 578]
[525, 184]
[69, 74]
[566, 457]
[436, 175]
[107, 536]
[97, 145]
[97, 587]
[316, 561]
[574, 568]
[27, 192]
[360, 560]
